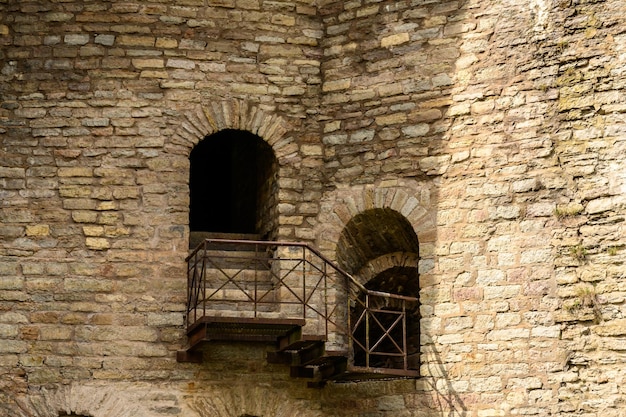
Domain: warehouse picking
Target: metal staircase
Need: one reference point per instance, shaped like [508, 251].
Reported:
[324, 324]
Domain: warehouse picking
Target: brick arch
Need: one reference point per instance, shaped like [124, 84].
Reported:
[385, 262]
[206, 119]
[163, 400]
[244, 400]
[409, 198]
[86, 400]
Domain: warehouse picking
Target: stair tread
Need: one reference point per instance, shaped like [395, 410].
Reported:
[305, 342]
[249, 321]
[240, 329]
[324, 360]
[226, 235]
[223, 273]
[239, 253]
[196, 238]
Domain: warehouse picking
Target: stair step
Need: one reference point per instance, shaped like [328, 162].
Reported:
[238, 263]
[234, 258]
[299, 352]
[196, 238]
[237, 254]
[239, 329]
[223, 272]
[305, 343]
[234, 267]
[322, 368]
[230, 249]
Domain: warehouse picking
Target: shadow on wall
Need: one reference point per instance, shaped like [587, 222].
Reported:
[445, 398]
[381, 250]
[391, 72]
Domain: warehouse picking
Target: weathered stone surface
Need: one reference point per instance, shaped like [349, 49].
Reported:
[493, 130]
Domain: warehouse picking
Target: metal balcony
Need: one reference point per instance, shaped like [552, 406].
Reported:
[326, 325]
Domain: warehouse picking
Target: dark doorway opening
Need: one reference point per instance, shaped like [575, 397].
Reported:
[383, 236]
[402, 280]
[232, 182]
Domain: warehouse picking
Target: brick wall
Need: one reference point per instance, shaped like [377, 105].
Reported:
[495, 129]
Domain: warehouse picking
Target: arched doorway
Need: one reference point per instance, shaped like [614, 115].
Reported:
[232, 185]
[380, 248]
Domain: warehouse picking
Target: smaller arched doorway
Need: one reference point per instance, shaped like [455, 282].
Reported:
[232, 182]
[380, 249]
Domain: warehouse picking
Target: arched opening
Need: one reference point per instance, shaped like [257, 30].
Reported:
[374, 233]
[380, 248]
[232, 185]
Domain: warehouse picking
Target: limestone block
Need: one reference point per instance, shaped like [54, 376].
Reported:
[8, 331]
[393, 40]
[486, 384]
[535, 256]
[336, 85]
[141, 63]
[87, 285]
[38, 230]
[104, 39]
[507, 319]
[447, 309]
[449, 339]
[31, 360]
[553, 332]
[501, 292]
[135, 40]
[58, 17]
[611, 328]
[484, 322]
[456, 324]
[164, 319]
[76, 39]
[434, 165]
[311, 150]
[391, 119]
[416, 130]
[600, 205]
[97, 243]
[508, 334]
[459, 109]
[13, 346]
[47, 332]
[360, 136]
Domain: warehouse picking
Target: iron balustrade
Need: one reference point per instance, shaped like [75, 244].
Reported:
[284, 280]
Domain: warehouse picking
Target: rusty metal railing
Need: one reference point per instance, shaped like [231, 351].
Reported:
[278, 280]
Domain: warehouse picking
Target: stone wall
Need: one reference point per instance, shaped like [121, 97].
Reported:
[495, 128]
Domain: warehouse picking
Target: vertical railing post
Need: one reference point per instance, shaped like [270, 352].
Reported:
[350, 334]
[404, 340]
[203, 279]
[367, 330]
[188, 296]
[196, 287]
[304, 282]
[325, 278]
[256, 267]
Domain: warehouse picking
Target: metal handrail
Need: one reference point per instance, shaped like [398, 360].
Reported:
[305, 281]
